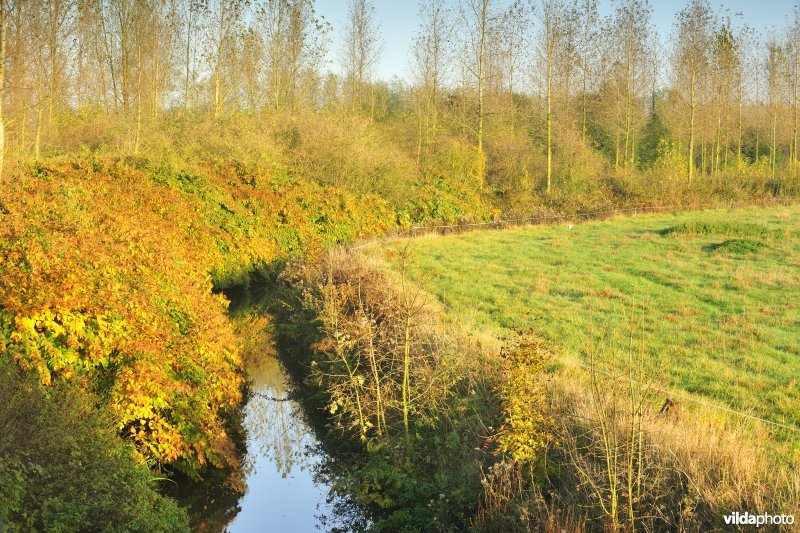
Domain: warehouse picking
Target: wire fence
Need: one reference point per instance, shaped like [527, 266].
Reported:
[585, 216]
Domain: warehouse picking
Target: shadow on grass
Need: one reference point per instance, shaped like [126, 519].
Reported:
[736, 247]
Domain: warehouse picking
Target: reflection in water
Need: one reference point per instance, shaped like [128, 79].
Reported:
[282, 457]
[275, 425]
[286, 472]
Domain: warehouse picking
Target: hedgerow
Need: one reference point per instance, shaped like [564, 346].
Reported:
[107, 271]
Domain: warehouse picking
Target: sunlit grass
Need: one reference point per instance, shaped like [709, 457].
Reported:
[715, 302]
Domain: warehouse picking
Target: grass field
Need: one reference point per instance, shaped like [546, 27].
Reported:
[713, 296]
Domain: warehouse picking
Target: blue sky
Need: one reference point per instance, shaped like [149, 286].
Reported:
[398, 21]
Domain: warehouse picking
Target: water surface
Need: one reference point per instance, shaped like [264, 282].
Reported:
[282, 457]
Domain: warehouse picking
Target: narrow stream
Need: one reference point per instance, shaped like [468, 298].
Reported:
[284, 483]
[282, 457]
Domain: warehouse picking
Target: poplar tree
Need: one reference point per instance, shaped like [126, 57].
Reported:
[690, 65]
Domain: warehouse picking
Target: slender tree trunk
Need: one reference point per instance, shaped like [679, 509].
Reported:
[138, 99]
[217, 89]
[691, 129]
[626, 159]
[3, 15]
[218, 65]
[380, 421]
[583, 118]
[37, 144]
[741, 129]
[726, 147]
[758, 148]
[549, 122]
[187, 99]
[52, 88]
[774, 155]
[703, 168]
[795, 125]
[156, 74]
[481, 75]
[718, 146]
[406, 387]
[23, 130]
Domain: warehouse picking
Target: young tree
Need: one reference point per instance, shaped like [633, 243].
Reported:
[430, 49]
[294, 47]
[724, 67]
[194, 13]
[745, 36]
[587, 53]
[775, 67]
[225, 34]
[631, 30]
[361, 52]
[477, 16]
[513, 43]
[793, 77]
[690, 64]
[552, 16]
[163, 39]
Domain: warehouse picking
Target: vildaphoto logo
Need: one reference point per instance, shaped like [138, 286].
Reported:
[758, 520]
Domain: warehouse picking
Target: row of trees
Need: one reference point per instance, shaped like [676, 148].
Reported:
[555, 67]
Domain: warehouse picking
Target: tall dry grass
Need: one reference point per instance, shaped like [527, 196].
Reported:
[698, 463]
[678, 470]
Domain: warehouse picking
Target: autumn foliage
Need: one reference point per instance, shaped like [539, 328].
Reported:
[526, 430]
[107, 270]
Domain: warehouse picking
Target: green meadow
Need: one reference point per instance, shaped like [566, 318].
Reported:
[708, 300]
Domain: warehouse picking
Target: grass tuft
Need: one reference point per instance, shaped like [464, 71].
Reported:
[709, 228]
[736, 246]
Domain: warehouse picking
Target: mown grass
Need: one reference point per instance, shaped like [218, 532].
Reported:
[713, 296]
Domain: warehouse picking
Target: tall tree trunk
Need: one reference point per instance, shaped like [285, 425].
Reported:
[774, 153]
[37, 143]
[758, 148]
[691, 128]
[549, 122]
[186, 97]
[583, 118]
[626, 159]
[703, 161]
[718, 143]
[3, 15]
[156, 74]
[795, 125]
[481, 75]
[218, 65]
[741, 128]
[138, 98]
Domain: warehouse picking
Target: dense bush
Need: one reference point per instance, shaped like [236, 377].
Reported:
[106, 272]
[379, 350]
[63, 468]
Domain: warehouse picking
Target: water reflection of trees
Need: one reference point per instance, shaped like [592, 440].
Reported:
[276, 427]
[278, 431]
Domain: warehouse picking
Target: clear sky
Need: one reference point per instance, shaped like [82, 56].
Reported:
[398, 22]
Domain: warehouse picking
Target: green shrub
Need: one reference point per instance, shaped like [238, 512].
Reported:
[63, 467]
